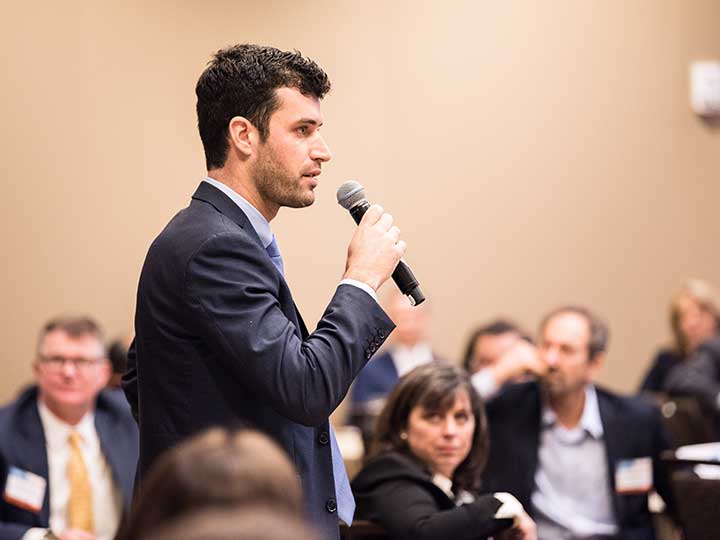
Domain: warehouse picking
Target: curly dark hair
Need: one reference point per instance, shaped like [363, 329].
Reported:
[433, 386]
[241, 81]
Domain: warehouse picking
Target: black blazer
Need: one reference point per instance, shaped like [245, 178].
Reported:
[395, 491]
[632, 428]
[22, 445]
[219, 341]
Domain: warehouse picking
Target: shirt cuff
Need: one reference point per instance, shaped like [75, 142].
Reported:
[511, 507]
[360, 285]
[484, 383]
[35, 533]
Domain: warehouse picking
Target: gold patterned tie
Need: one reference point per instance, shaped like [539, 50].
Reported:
[80, 505]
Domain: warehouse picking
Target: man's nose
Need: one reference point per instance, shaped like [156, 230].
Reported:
[69, 368]
[320, 150]
[551, 358]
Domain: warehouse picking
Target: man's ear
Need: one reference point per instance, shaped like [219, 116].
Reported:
[243, 135]
[104, 374]
[596, 364]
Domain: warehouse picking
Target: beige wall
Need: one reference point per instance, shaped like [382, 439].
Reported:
[533, 153]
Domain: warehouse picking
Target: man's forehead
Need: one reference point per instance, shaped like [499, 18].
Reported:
[60, 339]
[567, 326]
[295, 106]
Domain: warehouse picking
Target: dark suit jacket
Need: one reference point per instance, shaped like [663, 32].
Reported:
[632, 428]
[219, 341]
[663, 363]
[376, 379]
[22, 445]
[395, 491]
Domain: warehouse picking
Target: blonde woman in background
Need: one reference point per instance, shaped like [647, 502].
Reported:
[694, 319]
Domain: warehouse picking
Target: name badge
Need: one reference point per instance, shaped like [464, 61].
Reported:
[634, 476]
[25, 489]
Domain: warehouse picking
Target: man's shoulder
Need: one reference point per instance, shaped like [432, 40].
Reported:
[389, 465]
[20, 416]
[114, 403]
[380, 363]
[630, 407]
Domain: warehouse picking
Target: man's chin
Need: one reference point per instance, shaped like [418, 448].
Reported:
[300, 202]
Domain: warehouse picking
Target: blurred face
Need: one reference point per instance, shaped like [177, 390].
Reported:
[70, 371]
[564, 350]
[696, 323]
[289, 161]
[489, 348]
[411, 322]
[442, 439]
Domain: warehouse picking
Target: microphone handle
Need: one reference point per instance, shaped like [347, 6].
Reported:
[402, 275]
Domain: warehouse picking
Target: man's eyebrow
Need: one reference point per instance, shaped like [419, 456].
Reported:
[311, 121]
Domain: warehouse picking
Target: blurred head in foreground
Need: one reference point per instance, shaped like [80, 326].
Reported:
[215, 469]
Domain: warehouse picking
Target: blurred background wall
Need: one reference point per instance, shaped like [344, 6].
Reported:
[533, 153]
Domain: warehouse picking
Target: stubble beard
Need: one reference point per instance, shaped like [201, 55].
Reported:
[276, 184]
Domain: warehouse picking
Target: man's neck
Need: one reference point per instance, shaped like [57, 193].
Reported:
[240, 183]
[71, 415]
[568, 407]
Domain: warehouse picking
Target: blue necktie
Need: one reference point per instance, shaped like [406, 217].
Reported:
[343, 493]
[274, 252]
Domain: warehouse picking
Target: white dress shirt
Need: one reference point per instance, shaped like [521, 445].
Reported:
[107, 499]
[408, 358]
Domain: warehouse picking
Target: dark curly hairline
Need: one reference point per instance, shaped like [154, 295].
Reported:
[241, 81]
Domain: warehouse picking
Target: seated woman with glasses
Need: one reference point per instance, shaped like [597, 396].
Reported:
[430, 446]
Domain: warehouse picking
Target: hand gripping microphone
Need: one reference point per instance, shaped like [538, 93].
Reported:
[351, 196]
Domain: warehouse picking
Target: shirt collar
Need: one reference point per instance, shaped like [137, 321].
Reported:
[57, 432]
[590, 420]
[444, 483]
[257, 220]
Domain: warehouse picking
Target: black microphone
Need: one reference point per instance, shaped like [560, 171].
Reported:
[351, 196]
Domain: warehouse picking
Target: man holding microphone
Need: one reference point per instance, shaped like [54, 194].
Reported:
[219, 340]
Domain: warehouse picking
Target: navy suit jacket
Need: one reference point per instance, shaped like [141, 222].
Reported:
[219, 341]
[632, 428]
[376, 380]
[22, 445]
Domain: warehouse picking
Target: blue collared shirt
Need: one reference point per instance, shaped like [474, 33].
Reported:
[573, 497]
[262, 226]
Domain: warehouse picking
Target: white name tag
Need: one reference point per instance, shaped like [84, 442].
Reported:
[25, 489]
[634, 475]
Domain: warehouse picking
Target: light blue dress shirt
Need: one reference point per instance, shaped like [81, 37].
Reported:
[573, 497]
[262, 227]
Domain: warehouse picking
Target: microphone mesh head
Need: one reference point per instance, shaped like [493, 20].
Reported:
[349, 194]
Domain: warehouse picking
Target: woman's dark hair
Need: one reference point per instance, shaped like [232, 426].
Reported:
[216, 469]
[241, 81]
[433, 387]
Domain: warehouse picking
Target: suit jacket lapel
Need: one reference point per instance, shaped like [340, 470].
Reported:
[613, 438]
[531, 443]
[222, 203]
[30, 447]
[226, 206]
[113, 449]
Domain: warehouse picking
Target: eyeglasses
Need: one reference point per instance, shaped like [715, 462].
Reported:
[57, 363]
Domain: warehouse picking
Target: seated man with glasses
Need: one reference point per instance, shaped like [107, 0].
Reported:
[67, 451]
